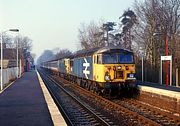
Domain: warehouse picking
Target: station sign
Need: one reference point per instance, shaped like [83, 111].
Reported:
[166, 58]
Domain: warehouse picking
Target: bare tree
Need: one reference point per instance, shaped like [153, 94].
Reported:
[91, 35]
[158, 20]
[33, 55]
[158, 17]
[47, 55]
[62, 53]
[24, 43]
[8, 41]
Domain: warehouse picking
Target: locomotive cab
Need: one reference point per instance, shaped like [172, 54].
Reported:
[114, 68]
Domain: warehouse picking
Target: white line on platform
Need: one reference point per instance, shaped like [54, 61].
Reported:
[56, 116]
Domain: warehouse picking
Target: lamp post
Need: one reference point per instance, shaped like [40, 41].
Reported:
[13, 30]
[17, 57]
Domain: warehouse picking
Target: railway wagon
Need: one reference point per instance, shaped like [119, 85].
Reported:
[51, 66]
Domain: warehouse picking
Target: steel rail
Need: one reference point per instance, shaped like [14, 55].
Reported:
[98, 118]
[67, 119]
[103, 122]
[117, 107]
[144, 109]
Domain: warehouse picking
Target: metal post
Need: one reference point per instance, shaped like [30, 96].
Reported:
[17, 60]
[142, 69]
[107, 39]
[20, 59]
[171, 72]
[177, 77]
[167, 72]
[161, 72]
[20, 68]
[1, 60]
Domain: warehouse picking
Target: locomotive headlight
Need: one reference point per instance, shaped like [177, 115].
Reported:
[107, 77]
[119, 67]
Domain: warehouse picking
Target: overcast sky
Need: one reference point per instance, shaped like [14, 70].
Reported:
[54, 23]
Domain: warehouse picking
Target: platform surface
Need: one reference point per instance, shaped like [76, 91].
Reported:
[169, 91]
[159, 86]
[23, 103]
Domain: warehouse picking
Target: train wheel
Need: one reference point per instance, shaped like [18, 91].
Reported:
[106, 93]
[97, 88]
[99, 93]
[94, 87]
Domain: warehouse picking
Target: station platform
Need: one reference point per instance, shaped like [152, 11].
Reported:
[27, 102]
[163, 90]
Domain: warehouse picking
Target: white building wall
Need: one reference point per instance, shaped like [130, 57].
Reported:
[9, 74]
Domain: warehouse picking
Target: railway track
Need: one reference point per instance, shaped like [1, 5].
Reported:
[164, 103]
[75, 111]
[132, 112]
[129, 117]
[116, 110]
[156, 114]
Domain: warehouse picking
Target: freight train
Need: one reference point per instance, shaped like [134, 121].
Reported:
[102, 70]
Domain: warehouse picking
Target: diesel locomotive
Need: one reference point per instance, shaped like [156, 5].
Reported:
[102, 70]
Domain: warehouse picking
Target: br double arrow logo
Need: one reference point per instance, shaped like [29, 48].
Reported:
[86, 65]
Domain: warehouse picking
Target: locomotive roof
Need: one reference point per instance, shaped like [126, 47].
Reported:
[89, 52]
[110, 48]
[85, 52]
